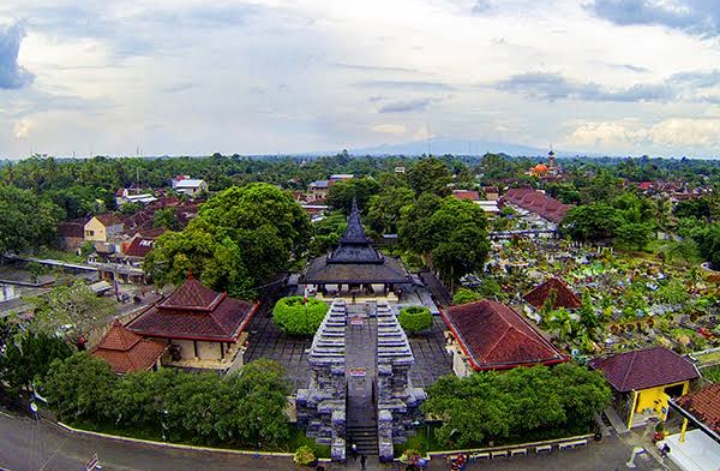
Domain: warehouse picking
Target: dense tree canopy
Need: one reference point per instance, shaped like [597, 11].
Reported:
[241, 238]
[453, 232]
[246, 408]
[341, 194]
[494, 406]
[25, 220]
[430, 175]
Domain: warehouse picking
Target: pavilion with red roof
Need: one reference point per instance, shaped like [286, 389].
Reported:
[204, 329]
[564, 297]
[127, 352]
[487, 335]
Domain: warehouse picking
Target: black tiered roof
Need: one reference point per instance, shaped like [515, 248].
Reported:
[355, 260]
[355, 246]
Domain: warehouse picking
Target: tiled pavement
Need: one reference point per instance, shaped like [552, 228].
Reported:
[431, 359]
[267, 341]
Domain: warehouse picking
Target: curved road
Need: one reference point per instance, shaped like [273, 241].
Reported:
[27, 445]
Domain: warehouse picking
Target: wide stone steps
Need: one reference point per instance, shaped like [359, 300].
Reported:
[365, 437]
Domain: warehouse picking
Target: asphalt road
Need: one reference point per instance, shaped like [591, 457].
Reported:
[27, 445]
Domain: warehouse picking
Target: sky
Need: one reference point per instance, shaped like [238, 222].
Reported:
[193, 77]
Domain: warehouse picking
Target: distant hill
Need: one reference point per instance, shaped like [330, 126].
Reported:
[443, 146]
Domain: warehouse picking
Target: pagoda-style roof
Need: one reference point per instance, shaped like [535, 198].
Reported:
[126, 351]
[355, 260]
[494, 337]
[195, 312]
[564, 297]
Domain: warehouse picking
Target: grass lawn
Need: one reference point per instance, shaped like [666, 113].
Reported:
[68, 257]
[296, 440]
[711, 374]
[709, 358]
[420, 441]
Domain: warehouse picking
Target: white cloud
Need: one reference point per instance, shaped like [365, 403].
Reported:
[264, 76]
[21, 129]
[674, 136]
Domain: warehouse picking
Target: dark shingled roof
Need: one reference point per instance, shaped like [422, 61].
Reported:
[126, 351]
[643, 369]
[355, 260]
[495, 337]
[563, 298]
[704, 405]
[195, 312]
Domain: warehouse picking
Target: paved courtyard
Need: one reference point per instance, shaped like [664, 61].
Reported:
[267, 341]
[431, 359]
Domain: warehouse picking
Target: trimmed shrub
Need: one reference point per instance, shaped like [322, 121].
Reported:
[304, 456]
[294, 317]
[415, 319]
[464, 296]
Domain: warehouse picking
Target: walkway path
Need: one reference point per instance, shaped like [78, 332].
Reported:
[361, 370]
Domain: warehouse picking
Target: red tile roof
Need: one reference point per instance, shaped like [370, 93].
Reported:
[195, 312]
[704, 405]
[643, 369]
[126, 351]
[493, 336]
[537, 202]
[109, 219]
[466, 195]
[563, 298]
[139, 247]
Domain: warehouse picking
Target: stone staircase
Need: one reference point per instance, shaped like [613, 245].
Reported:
[365, 437]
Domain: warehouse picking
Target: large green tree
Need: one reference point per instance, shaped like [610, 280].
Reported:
[25, 220]
[492, 406]
[75, 309]
[341, 194]
[241, 238]
[430, 175]
[451, 231]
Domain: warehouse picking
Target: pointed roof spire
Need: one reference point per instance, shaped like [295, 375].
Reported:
[354, 233]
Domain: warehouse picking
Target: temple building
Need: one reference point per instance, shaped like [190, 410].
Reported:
[355, 267]
[204, 329]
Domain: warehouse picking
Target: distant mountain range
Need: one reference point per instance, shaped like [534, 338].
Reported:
[443, 146]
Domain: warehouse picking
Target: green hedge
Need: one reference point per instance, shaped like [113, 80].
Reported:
[415, 319]
[293, 317]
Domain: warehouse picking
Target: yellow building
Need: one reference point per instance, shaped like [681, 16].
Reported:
[103, 228]
[645, 380]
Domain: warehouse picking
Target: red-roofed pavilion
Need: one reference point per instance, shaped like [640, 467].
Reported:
[491, 336]
[127, 352]
[205, 329]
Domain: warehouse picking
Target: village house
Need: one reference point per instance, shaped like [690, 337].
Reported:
[71, 234]
[318, 191]
[188, 186]
[105, 231]
[487, 335]
[644, 381]
[204, 329]
[126, 196]
[489, 207]
[127, 352]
